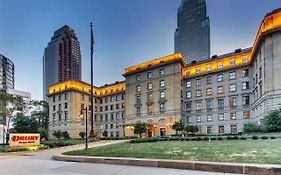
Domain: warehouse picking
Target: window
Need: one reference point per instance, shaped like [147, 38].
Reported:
[59, 97]
[198, 93]
[106, 100]
[233, 116]
[82, 97]
[188, 84]
[232, 87]
[221, 129]
[149, 109]
[162, 71]
[198, 82]
[138, 98]
[188, 107]
[188, 94]
[260, 72]
[123, 105]
[101, 117]
[149, 86]
[232, 102]
[162, 94]
[117, 106]
[123, 96]
[209, 80]
[220, 77]
[112, 116]
[198, 119]
[162, 83]
[106, 108]
[245, 85]
[232, 62]
[246, 100]
[220, 65]
[221, 103]
[100, 101]
[59, 117]
[138, 88]
[209, 129]
[220, 89]
[233, 129]
[232, 75]
[209, 91]
[209, 104]
[138, 77]
[100, 109]
[65, 105]
[149, 97]
[111, 98]
[117, 97]
[245, 72]
[111, 127]
[162, 107]
[198, 105]
[209, 117]
[198, 70]
[246, 114]
[221, 117]
[59, 107]
[54, 99]
[149, 75]
[245, 60]
[208, 67]
[111, 107]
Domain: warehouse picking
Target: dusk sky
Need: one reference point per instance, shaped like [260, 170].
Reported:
[127, 32]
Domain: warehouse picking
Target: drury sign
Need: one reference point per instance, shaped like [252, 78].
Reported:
[17, 140]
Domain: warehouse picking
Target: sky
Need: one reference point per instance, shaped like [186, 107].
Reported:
[126, 32]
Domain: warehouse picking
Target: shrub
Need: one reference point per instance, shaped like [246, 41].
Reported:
[273, 137]
[243, 138]
[206, 139]
[264, 137]
[199, 139]
[252, 127]
[193, 139]
[235, 138]
[220, 138]
[255, 137]
[65, 135]
[82, 134]
[57, 134]
[229, 138]
[187, 139]
[213, 138]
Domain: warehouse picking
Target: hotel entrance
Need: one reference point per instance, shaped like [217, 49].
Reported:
[150, 130]
[162, 132]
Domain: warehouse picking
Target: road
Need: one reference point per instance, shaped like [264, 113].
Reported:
[41, 163]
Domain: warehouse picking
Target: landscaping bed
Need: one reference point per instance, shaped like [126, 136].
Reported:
[265, 151]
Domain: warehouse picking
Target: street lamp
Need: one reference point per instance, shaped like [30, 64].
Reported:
[82, 118]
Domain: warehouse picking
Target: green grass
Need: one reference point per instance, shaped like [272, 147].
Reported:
[240, 151]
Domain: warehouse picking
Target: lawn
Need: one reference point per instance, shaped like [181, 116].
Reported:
[240, 151]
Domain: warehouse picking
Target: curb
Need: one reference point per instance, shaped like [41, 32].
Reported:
[179, 164]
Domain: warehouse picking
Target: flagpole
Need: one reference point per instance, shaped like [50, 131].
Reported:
[92, 84]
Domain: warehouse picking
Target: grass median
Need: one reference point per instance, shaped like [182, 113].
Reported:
[240, 151]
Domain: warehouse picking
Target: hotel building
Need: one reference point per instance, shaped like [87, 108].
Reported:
[219, 95]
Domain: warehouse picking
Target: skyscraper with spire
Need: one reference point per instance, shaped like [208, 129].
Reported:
[192, 35]
[62, 58]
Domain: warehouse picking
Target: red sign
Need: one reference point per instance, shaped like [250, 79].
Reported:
[24, 140]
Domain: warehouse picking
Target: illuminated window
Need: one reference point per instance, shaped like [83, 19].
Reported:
[232, 62]
[198, 82]
[188, 84]
[245, 60]
[232, 75]
[220, 65]
[149, 109]
[232, 87]
[209, 117]
[220, 77]
[220, 89]
[245, 85]
[138, 77]
[199, 119]
[188, 94]
[233, 129]
[209, 80]
[221, 117]
[162, 83]
[198, 105]
[162, 71]
[209, 91]
[246, 115]
[221, 129]
[233, 116]
[162, 94]
[123, 105]
[138, 88]
[198, 70]
[198, 93]
[245, 72]
[208, 68]
[149, 86]
[149, 75]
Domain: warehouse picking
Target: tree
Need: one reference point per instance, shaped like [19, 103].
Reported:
[58, 135]
[43, 133]
[139, 128]
[178, 126]
[25, 124]
[40, 112]
[190, 129]
[65, 135]
[105, 133]
[272, 122]
[252, 127]
[82, 134]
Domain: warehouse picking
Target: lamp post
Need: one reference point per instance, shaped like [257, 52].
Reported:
[82, 118]
[92, 84]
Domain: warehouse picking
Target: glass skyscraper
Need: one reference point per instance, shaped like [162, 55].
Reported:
[62, 58]
[7, 74]
[192, 36]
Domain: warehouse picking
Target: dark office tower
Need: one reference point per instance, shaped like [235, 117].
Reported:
[192, 36]
[7, 74]
[62, 58]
